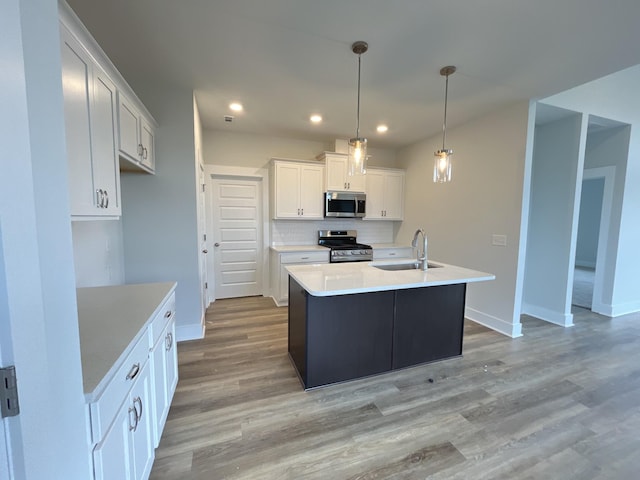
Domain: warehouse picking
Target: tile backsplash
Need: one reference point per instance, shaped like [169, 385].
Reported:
[303, 232]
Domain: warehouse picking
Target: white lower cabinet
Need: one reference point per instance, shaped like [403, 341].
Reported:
[128, 416]
[281, 260]
[165, 366]
[127, 451]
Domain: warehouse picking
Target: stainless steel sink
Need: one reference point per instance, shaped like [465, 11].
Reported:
[405, 266]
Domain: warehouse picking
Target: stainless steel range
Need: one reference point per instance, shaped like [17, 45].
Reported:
[344, 247]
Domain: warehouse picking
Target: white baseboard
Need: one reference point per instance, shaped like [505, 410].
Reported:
[185, 333]
[509, 329]
[551, 316]
[278, 303]
[623, 309]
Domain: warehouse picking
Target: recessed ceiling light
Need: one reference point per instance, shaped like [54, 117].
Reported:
[315, 118]
[235, 106]
[382, 128]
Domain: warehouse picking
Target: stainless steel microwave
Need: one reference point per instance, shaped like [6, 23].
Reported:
[345, 204]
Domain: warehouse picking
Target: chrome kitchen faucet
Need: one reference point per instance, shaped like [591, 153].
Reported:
[421, 259]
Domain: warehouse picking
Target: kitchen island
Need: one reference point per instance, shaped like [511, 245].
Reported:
[353, 320]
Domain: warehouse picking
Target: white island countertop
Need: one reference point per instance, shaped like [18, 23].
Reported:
[109, 319]
[322, 280]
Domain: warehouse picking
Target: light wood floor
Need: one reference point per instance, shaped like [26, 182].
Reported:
[555, 404]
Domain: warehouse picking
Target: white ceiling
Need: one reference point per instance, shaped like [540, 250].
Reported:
[286, 59]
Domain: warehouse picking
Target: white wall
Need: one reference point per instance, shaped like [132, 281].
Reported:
[159, 212]
[98, 254]
[557, 165]
[616, 97]
[38, 313]
[245, 150]
[589, 222]
[484, 198]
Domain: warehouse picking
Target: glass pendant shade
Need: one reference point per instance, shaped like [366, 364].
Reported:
[442, 162]
[357, 156]
[442, 166]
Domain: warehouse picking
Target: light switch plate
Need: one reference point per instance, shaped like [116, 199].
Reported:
[499, 240]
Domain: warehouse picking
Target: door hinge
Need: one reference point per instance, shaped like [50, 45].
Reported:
[9, 392]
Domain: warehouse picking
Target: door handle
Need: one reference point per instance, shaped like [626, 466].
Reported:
[216, 244]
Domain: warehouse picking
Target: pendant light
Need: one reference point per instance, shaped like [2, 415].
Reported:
[442, 164]
[358, 145]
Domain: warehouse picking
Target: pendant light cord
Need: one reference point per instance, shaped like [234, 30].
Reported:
[358, 110]
[444, 124]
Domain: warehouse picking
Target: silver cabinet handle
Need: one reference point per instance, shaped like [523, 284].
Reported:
[132, 428]
[135, 369]
[168, 340]
[168, 314]
[137, 400]
[99, 198]
[144, 152]
[302, 212]
[392, 254]
[349, 185]
[304, 258]
[140, 149]
[106, 196]
[205, 251]
[216, 244]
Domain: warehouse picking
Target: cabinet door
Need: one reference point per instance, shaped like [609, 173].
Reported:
[76, 85]
[336, 173]
[428, 324]
[146, 140]
[311, 201]
[375, 194]
[394, 196]
[128, 124]
[159, 374]
[106, 172]
[112, 457]
[357, 182]
[171, 356]
[287, 191]
[142, 436]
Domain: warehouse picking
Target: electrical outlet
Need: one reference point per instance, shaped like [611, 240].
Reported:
[499, 240]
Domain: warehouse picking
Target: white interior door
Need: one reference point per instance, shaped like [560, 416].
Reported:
[237, 237]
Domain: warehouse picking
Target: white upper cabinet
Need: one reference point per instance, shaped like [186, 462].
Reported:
[135, 135]
[89, 111]
[337, 174]
[98, 129]
[385, 194]
[296, 190]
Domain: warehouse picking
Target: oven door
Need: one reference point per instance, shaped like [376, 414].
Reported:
[343, 204]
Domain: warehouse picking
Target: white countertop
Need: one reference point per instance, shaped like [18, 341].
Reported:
[297, 248]
[323, 280]
[109, 319]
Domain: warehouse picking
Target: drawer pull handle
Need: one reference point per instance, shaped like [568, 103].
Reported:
[168, 314]
[391, 254]
[304, 258]
[168, 340]
[135, 369]
[137, 400]
[132, 428]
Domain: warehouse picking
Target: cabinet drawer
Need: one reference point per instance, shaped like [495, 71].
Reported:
[103, 411]
[391, 253]
[305, 257]
[166, 313]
